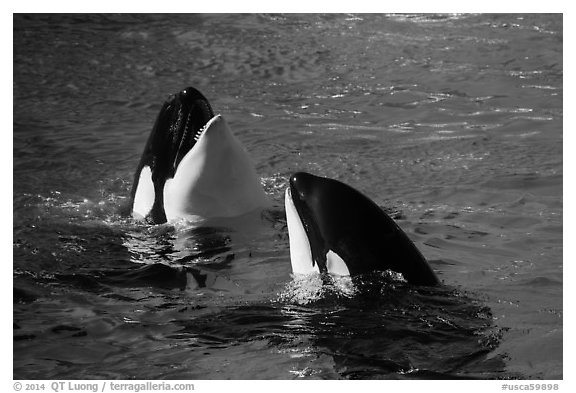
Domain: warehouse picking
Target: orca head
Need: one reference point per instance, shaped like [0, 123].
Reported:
[193, 166]
[335, 229]
[177, 128]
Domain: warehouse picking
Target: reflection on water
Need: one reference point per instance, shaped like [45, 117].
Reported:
[453, 123]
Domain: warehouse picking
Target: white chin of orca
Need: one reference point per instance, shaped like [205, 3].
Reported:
[300, 250]
[216, 178]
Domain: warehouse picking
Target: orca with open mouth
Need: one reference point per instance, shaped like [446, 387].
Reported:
[193, 167]
[335, 229]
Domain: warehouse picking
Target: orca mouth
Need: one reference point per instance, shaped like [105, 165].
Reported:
[183, 119]
[193, 167]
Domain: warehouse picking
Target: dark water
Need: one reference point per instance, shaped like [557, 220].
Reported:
[453, 122]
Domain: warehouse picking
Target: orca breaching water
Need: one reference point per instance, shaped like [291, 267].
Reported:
[194, 168]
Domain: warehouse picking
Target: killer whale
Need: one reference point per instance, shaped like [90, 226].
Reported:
[333, 228]
[193, 167]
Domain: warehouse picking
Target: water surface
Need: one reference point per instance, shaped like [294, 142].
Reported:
[451, 122]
